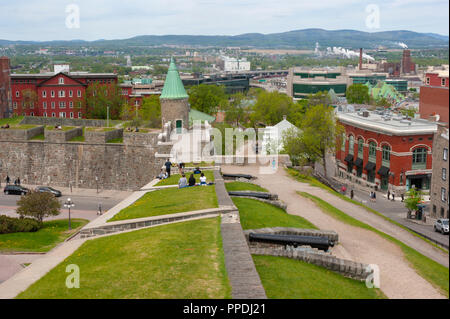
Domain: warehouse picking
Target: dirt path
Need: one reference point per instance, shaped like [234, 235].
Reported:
[398, 279]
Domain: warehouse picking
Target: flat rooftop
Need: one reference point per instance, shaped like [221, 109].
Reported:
[385, 123]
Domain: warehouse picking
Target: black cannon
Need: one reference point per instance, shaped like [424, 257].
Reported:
[251, 194]
[319, 242]
[234, 176]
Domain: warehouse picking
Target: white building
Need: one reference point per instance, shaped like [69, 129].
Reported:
[273, 136]
[235, 65]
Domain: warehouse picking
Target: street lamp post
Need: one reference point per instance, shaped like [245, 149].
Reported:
[69, 204]
[107, 116]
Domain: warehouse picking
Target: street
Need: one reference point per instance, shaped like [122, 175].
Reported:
[85, 206]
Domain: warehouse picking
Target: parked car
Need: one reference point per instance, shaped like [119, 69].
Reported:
[47, 189]
[15, 190]
[441, 225]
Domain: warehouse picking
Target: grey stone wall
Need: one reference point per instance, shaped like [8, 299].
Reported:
[57, 136]
[52, 121]
[20, 135]
[347, 268]
[55, 162]
[102, 137]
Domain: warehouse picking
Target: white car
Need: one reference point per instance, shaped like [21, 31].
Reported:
[441, 226]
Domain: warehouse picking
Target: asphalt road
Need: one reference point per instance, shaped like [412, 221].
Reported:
[85, 206]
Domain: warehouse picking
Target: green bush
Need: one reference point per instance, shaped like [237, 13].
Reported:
[18, 225]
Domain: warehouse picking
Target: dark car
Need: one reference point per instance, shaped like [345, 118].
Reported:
[47, 189]
[15, 190]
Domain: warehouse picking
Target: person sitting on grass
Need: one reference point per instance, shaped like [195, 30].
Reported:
[162, 174]
[203, 179]
[197, 170]
[182, 182]
[192, 180]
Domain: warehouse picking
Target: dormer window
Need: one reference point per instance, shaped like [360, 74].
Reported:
[61, 80]
[443, 81]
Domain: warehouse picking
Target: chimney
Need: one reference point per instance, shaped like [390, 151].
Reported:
[360, 58]
[284, 117]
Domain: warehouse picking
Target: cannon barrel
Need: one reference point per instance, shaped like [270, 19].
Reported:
[319, 242]
[251, 194]
[237, 176]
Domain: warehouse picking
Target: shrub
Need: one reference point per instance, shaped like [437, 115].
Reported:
[18, 225]
[38, 205]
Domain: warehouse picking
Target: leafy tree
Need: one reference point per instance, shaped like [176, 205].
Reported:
[235, 111]
[150, 111]
[270, 108]
[319, 98]
[38, 205]
[319, 134]
[99, 97]
[357, 93]
[207, 98]
[383, 102]
[413, 198]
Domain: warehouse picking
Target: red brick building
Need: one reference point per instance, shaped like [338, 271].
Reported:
[5, 87]
[55, 95]
[385, 151]
[434, 97]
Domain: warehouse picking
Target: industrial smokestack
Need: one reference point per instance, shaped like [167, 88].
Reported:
[360, 58]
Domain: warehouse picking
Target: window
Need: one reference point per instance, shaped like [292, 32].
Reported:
[351, 143]
[70, 93]
[53, 114]
[136, 103]
[386, 155]
[79, 115]
[434, 209]
[71, 115]
[444, 174]
[343, 142]
[443, 194]
[44, 93]
[62, 94]
[79, 93]
[52, 93]
[62, 105]
[32, 113]
[419, 158]
[61, 80]
[17, 94]
[45, 114]
[71, 104]
[62, 114]
[445, 155]
[442, 211]
[372, 152]
[53, 105]
[443, 81]
[360, 148]
[427, 81]
[15, 105]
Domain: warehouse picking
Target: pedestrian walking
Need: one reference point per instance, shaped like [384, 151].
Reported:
[7, 179]
[388, 195]
[18, 180]
[393, 196]
[374, 196]
[99, 212]
[402, 196]
[351, 194]
[168, 164]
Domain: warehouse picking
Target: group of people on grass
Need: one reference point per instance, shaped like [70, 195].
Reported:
[183, 181]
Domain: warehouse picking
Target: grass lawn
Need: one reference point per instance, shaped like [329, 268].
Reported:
[22, 126]
[173, 179]
[53, 233]
[176, 261]
[255, 214]
[243, 186]
[100, 129]
[314, 182]
[285, 278]
[435, 273]
[116, 140]
[170, 201]
[40, 137]
[200, 164]
[63, 128]
[11, 121]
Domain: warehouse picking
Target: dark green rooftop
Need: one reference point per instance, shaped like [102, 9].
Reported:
[173, 86]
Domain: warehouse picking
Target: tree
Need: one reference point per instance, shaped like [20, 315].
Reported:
[319, 134]
[270, 108]
[99, 97]
[150, 111]
[357, 93]
[293, 146]
[413, 199]
[38, 205]
[207, 98]
[235, 111]
[319, 98]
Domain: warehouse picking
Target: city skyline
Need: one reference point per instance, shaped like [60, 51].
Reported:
[57, 20]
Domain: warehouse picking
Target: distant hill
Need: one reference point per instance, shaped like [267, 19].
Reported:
[299, 39]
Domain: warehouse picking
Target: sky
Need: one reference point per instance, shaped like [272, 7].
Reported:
[45, 20]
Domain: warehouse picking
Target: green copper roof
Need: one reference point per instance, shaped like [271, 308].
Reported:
[173, 86]
[195, 115]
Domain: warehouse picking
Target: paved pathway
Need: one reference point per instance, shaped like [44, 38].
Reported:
[398, 279]
[244, 279]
